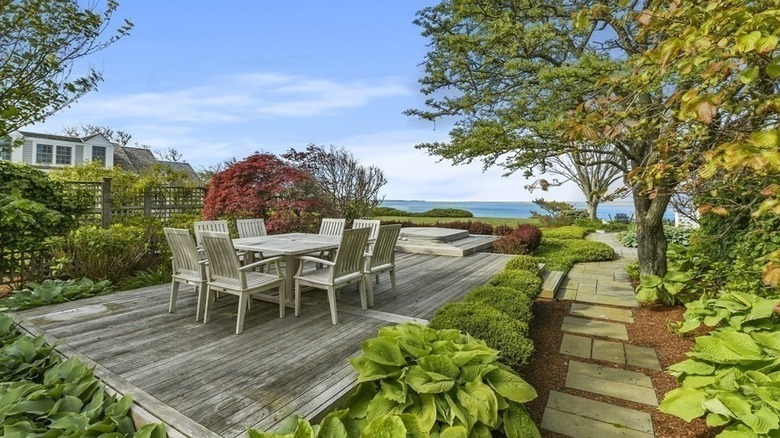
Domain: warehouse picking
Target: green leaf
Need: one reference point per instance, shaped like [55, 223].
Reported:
[692, 366]
[385, 427]
[424, 408]
[511, 386]
[440, 364]
[383, 351]
[686, 403]
[414, 428]
[394, 390]
[480, 402]
[518, 424]
[380, 406]
[773, 69]
[151, 431]
[331, 427]
[369, 370]
[747, 43]
[358, 402]
[454, 432]
[422, 382]
[650, 281]
[749, 75]
[762, 420]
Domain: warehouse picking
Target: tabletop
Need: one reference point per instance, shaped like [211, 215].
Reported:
[288, 244]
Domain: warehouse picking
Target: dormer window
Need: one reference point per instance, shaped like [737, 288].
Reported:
[64, 155]
[44, 153]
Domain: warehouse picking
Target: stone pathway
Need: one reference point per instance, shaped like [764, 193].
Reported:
[596, 329]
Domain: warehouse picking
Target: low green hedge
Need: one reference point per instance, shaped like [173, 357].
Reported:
[52, 292]
[562, 254]
[567, 232]
[496, 328]
[524, 282]
[514, 304]
[523, 263]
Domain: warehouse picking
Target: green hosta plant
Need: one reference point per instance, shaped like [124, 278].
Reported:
[54, 291]
[415, 381]
[742, 311]
[683, 281]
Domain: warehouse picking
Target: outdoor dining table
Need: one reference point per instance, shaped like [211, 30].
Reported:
[289, 245]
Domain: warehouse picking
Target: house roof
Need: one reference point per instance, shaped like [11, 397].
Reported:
[181, 167]
[52, 136]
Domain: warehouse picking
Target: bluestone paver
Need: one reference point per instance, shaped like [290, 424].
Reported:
[582, 418]
[609, 351]
[601, 312]
[576, 345]
[592, 327]
[626, 385]
[642, 357]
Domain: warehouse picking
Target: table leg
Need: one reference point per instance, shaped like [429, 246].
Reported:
[290, 268]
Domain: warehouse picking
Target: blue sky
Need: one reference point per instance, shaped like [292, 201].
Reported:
[222, 79]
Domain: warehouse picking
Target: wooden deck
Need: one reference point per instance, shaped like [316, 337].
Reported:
[204, 381]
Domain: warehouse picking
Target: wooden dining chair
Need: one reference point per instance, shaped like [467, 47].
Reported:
[368, 223]
[219, 226]
[251, 228]
[332, 227]
[188, 267]
[381, 258]
[225, 274]
[346, 267]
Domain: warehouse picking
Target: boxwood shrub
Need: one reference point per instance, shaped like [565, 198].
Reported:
[514, 304]
[568, 232]
[523, 263]
[562, 254]
[525, 282]
[496, 328]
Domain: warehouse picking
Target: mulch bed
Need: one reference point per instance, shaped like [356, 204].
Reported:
[547, 369]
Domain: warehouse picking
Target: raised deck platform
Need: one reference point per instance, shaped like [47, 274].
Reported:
[442, 241]
[204, 381]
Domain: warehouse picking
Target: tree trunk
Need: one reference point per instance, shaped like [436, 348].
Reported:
[592, 206]
[651, 241]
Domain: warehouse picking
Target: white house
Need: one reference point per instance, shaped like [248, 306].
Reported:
[47, 150]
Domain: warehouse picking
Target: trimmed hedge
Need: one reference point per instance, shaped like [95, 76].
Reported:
[567, 232]
[496, 328]
[562, 254]
[514, 304]
[523, 263]
[524, 282]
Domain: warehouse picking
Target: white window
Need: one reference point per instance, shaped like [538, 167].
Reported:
[64, 155]
[99, 154]
[5, 148]
[44, 154]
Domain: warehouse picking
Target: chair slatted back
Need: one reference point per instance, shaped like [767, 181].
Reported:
[223, 261]
[217, 226]
[251, 228]
[185, 254]
[332, 227]
[350, 255]
[367, 223]
[384, 247]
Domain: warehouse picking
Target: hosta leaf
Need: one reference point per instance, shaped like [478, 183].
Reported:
[511, 386]
[715, 420]
[480, 431]
[458, 411]
[768, 340]
[711, 349]
[737, 404]
[383, 351]
[480, 401]
[650, 281]
[151, 431]
[454, 432]
[439, 364]
[331, 427]
[415, 347]
[741, 343]
[368, 370]
[422, 382]
[769, 395]
[475, 372]
[424, 408]
[70, 422]
[518, 424]
[358, 402]
[715, 406]
[414, 428]
[385, 427]
[379, 406]
[394, 390]
[461, 358]
[762, 420]
[692, 366]
[686, 403]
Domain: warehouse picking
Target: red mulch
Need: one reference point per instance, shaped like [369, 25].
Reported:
[547, 369]
[5, 290]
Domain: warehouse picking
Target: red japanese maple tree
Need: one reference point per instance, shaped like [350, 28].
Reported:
[263, 186]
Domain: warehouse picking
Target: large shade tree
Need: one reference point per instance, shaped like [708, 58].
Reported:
[41, 41]
[510, 71]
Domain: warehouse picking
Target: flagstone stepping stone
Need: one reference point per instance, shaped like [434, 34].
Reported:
[609, 351]
[590, 296]
[626, 385]
[601, 312]
[576, 345]
[592, 327]
[579, 417]
[642, 357]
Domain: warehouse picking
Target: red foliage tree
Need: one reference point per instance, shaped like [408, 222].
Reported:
[263, 186]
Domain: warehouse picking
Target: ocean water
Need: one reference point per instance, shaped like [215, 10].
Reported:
[518, 210]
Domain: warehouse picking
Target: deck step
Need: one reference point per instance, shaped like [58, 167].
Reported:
[551, 281]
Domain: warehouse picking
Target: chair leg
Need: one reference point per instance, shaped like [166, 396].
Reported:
[364, 303]
[370, 292]
[377, 278]
[242, 304]
[209, 303]
[392, 282]
[282, 306]
[297, 298]
[332, 301]
[249, 303]
[174, 295]
[201, 301]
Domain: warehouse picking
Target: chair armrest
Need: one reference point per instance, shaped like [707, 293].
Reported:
[260, 263]
[316, 260]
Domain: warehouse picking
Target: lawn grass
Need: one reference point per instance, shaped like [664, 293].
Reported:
[512, 222]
